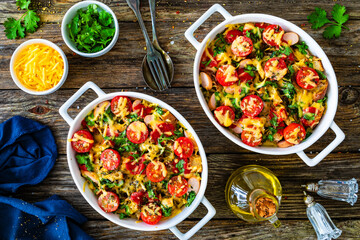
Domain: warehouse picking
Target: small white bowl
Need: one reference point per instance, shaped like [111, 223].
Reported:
[70, 14]
[16, 79]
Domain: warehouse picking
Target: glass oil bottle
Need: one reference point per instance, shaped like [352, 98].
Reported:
[253, 193]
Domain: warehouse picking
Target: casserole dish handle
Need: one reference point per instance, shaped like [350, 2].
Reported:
[64, 108]
[199, 225]
[340, 136]
[189, 34]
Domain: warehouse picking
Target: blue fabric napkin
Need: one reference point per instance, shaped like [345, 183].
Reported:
[27, 154]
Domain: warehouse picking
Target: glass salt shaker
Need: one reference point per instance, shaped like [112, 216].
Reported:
[324, 227]
[335, 189]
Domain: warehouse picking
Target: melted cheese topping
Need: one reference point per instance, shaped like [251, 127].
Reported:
[276, 37]
[39, 67]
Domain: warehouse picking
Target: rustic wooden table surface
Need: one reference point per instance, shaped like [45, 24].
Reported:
[119, 70]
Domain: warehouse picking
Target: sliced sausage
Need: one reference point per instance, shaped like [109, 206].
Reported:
[206, 81]
[230, 89]
[193, 185]
[244, 62]
[148, 119]
[169, 118]
[237, 127]
[284, 144]
[291, 37]
[212, 102]
[99, 109]
[318, 65]
[320, 90]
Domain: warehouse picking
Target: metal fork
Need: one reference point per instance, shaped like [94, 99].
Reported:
[153, 57]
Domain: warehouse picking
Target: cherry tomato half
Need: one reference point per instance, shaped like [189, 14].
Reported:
[108, 202]
[242, 46]
[251, 136]
[252, 105]
[294, 133]
[177, 186]
[136, 166]
[307, 78]
[311, 113]
[151, 214]
[183, 147]
[275, 68]
[156, 171]
[224, 115]
[121, 105]
[271, 34]
[226, 75]
[110, 159]
[166, 128]
[137, 132]
[82, 141]
[232, 35]
[244, 76]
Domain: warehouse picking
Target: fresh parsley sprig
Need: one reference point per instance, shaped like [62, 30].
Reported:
[318, 19]
[28, 22]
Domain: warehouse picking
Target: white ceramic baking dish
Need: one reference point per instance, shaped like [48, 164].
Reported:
[328, 119]
[89, 195]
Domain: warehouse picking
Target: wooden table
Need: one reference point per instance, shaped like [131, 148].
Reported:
[119, 70]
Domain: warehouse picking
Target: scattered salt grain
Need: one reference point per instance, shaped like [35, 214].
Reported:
[172, 42]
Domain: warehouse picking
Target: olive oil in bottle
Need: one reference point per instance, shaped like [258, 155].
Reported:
[253, 193]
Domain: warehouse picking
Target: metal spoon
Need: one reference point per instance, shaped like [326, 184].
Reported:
[150, 82]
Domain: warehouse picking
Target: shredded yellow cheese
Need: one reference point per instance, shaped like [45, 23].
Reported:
[39, 67]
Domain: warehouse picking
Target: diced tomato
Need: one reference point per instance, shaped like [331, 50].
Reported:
[151, 214]
[141, 110]
[294, 133]
[82, 167]
[280, 128]
[137, 132]
[185, 166]
[280, 113]
[244, 76]
[232, 35]
[120, 105]
[311, 113]
[249, 137]
[224, 115]
[166, 128]
[252, 105]
[136, 166]
[206, 62]
[110, 159]
[226, 75]
[275, 68]
[156, 171]
[138, 197]
[261, 25]
[79, 145]
[242, 46]
[307, 78]
[183, 147]
[271, 33]
[177, 186]
[108, 202]
[154, 135]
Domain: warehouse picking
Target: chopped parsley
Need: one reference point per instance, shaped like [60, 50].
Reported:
[191, 197]
[321, 74]
[180, 166]
[166, 212]
[150, 190]
[250, 70]
[85, 159]
[302, 47]
[159, 110]
[288, 90]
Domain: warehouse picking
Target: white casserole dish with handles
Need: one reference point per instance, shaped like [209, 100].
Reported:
[327, 120]
[90, 196]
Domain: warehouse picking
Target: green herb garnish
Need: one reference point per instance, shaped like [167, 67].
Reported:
[28, 22]
[166, 212]
[92, 29]
[85, 159]
[302, 47]
[318, 19]
[191, 197]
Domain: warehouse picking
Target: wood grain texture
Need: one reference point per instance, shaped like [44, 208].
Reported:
[184, 100]
[225, 229]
